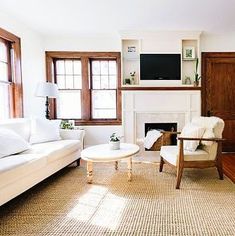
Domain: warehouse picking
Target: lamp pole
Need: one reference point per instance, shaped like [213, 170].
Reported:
[47, 108]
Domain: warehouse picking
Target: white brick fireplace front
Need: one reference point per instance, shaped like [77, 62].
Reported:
[141, 107]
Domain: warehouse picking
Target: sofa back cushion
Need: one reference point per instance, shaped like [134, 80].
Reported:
[21, 126]
[11, 143]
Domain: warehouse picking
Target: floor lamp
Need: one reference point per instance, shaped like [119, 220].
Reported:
[47, 90]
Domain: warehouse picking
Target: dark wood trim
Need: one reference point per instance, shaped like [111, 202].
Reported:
[85, 58]
[161, 88]
[228, 160]
[16, 85]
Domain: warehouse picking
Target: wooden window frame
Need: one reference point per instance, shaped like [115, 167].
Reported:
[85, 58]
[15, 76]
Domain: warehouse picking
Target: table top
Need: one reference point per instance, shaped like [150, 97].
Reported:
[102, 152]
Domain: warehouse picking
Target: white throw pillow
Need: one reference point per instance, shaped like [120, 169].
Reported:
[11, 143]
[208, 134]
[43, 130]
[192, 131]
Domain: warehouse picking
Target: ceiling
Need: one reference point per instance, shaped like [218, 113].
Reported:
[110, 16]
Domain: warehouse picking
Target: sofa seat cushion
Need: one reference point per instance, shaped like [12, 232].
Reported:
[13, 167]
[171, 153]
[55, 149]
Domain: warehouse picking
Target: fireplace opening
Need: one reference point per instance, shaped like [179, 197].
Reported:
[169, 139]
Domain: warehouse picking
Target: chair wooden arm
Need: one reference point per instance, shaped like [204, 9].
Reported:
[202, 139]
[170, 132]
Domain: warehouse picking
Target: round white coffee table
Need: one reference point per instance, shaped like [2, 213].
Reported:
[102, 153]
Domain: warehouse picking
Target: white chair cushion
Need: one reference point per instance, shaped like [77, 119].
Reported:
[11, 143]
[192, 131]
[56, 149]
[171, 154]
[43, 130]
[214, 127]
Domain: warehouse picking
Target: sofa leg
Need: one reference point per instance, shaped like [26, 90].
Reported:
[78, 161]
[179, 176]
[161, 164]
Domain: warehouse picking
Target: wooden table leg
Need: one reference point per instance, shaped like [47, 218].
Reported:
[116, 165]
[129, 167]
[89, 172]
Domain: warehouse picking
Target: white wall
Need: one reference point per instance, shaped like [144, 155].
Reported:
[220, 42]
[33, 66]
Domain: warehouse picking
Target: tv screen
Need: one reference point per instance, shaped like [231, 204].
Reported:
[160, 67]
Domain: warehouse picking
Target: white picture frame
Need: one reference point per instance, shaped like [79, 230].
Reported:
[189, 53]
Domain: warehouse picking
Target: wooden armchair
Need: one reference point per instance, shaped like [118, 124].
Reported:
[208, 154]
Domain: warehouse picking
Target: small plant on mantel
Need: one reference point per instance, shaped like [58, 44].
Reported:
[197, 77]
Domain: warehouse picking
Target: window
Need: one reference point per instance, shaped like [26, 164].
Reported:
[10, 76]
[88, 86]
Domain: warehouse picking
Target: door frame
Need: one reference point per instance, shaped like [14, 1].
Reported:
[204, 57]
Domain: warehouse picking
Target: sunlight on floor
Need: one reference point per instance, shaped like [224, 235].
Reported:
[99, 207]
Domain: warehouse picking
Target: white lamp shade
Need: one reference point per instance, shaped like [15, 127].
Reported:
[47, 89]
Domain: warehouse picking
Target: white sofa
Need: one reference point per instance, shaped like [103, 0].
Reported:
[19, 172]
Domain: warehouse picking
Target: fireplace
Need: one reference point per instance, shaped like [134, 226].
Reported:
[169, 139]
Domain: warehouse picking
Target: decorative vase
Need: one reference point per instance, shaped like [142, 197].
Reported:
[114, 145]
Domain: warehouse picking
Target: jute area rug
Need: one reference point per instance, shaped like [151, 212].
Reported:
[65, 204]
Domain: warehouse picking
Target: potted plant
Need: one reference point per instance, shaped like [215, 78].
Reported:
[66, 124]
[114, 142]
[197, 77]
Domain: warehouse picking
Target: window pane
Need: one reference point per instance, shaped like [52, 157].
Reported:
[4, 101]
[77, 67]
[69, 104]
[112, 82]
[60, 67]
[104, 82]
[96, 82]
[69, 81]
[77, 82]
[69, 67]
[104, 67]
[60, 81]
[95, 67]
[3, 71]
[103, 104]
[3, 52]
[112, 67]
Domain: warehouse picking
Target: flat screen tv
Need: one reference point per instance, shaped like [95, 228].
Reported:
[160, 67]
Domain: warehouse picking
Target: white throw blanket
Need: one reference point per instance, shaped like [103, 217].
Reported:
[151, 137]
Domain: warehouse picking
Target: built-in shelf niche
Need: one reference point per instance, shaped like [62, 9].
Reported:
[131, 60]
[188, 65]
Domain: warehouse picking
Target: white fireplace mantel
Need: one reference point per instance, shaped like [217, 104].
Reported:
[140, 107]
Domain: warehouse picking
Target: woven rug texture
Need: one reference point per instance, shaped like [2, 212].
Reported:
[65, 204]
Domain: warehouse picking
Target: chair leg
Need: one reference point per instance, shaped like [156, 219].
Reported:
[219, 167]
[219, 164]
[161, 164]
[179, 176]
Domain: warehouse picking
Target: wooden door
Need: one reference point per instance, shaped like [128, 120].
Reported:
[218, 92]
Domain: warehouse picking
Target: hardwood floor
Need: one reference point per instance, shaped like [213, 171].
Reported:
[229, 165]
